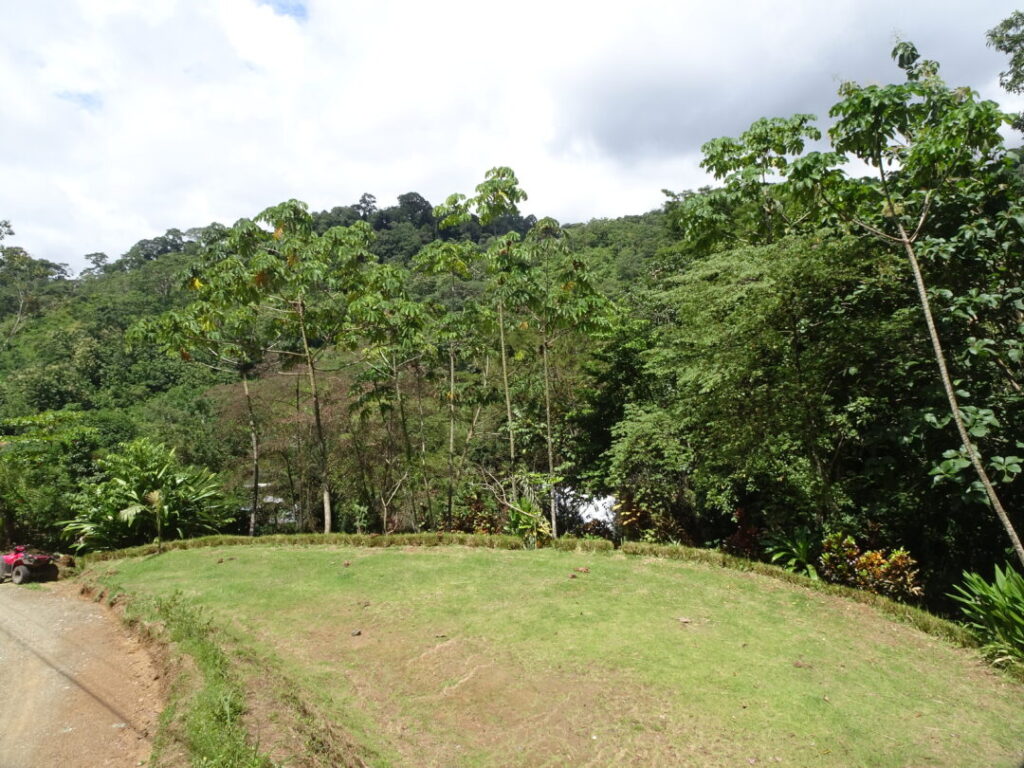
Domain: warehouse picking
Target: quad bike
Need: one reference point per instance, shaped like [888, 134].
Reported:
[21, 566]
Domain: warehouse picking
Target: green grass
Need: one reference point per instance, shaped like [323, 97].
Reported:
[204, 716]
[493, 657]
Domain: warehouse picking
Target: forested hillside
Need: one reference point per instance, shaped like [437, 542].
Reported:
[749, 368]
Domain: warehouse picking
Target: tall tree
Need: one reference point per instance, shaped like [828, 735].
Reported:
[560, 295]
[302, 284]
[213, 332]
[389, 325]
[1008, 37]
[22, 279]
[930, 146]
[496, 196]
[941, 190]
[454, 327]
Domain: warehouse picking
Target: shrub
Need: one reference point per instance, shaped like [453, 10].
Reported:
[648, 470]
[570, 544]
[435, 539]
[893, 575]
[526, 520]
[744, 541]
[838, 559]
[594, 529]
[995, 612]
[795, 552]
[146, 494]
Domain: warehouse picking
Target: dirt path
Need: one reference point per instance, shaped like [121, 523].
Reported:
[76, 690]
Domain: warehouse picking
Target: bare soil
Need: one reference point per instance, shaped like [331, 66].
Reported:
[78, 690]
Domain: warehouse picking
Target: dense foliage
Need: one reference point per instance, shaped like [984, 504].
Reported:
[143, 493]
[750, 368]
[995, 611]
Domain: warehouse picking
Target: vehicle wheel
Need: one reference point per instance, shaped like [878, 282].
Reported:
[50, 573]
[20, 575]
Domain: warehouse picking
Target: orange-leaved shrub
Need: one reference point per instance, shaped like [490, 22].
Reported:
[893, 574]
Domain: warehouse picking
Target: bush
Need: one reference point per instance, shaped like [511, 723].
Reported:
[593, 529]
[146, 494]
[570, 544]
[649, 465]
[526, 520]
[795, 552]
[995, 612]
[893, 575]
[436, 539]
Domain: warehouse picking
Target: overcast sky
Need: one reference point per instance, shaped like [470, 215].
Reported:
[123, 118]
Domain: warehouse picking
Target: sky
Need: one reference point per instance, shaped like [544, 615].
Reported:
[124, 118]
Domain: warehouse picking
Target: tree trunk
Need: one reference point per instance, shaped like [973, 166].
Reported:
[254, 442]
[460, 465]
[304, 515]
[317, 421]
[294, 492]
[428, 504]
[159, 510]
[550, 441]
[505, 387]
[407, 448]
[449, 510]
[954, 406]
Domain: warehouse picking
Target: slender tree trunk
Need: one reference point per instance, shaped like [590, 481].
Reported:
[406, 439]
[505, 387]
[460, 465]
[387, 461]
[508, 396]
[158, 504]
[293, 491]
[301, 459]
[550, 440]
[428, 506]
[317, 421]
[954, 407]
[449, 510]
[254, 442]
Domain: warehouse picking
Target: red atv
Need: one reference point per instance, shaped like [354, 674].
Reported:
[21, 566]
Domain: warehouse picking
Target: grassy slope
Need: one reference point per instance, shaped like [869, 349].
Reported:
[471, 657]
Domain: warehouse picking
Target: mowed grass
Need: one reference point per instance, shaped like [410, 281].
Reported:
[466, 657]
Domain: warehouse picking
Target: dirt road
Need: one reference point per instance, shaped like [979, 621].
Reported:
[76, 690]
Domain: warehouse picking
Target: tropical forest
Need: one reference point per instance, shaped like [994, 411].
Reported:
[813, 366]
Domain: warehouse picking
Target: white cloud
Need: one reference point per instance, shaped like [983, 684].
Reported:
[122, 118]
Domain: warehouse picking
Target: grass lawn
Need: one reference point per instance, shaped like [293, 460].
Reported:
[453, 656]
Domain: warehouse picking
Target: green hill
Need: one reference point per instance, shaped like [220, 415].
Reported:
[467, 657]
